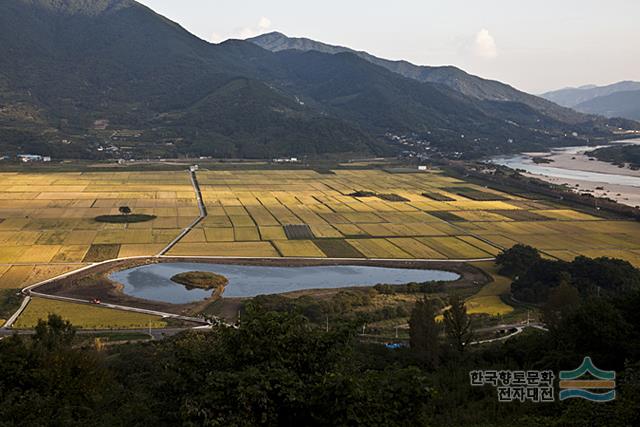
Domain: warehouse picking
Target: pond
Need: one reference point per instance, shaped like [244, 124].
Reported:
[153, 282]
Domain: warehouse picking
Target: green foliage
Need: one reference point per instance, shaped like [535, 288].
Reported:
[517, 260]
[590, 276]
[562, 301]
[425, 332]
[54, 333]
[457, 324]
[10, 300]
[279, 370]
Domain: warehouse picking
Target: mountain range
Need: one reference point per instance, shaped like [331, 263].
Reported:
[620, 99]
[80, 78]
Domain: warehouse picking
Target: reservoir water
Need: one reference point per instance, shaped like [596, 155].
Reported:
[153, 282]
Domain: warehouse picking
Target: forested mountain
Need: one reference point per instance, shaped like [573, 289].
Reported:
[571, 97]
[79, 76]
[619, 104]
[455, 78]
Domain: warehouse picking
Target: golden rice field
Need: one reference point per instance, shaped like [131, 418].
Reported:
[47, 222]
[85, 316]
[249, 207]
[487, 300]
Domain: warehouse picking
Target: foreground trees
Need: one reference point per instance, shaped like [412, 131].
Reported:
[278, 369]
[425, 332]
[457, 324]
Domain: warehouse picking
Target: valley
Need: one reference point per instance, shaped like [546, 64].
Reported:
[48, 222]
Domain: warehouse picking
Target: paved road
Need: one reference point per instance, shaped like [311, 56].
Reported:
[201, 216]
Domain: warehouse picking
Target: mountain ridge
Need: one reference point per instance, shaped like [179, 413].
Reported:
[83, 7]
[572, 96]
[130, 79]
[618, 104]
[448, 75]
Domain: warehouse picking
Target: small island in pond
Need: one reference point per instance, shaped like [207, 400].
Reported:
[200, 279]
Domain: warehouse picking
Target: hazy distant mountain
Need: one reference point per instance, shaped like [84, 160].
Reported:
[452, 77]
[79, 74]
[619, 104]
[571, 97]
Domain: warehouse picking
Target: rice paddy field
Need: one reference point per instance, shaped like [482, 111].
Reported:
[85, 317]
[309, 214]
[48, 227]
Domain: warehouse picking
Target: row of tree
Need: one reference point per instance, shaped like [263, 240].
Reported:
[534, 277]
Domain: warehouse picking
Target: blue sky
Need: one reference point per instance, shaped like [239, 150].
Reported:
[535, 45]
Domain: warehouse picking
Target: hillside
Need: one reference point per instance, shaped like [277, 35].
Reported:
[66, 64]
[619, 104]
[111, 78]
[571, 97]
[454, 78]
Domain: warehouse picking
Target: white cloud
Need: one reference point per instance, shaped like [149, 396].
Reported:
[485, 45]
[263, 25]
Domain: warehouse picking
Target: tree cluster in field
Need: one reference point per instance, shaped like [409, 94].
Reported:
[534, 277]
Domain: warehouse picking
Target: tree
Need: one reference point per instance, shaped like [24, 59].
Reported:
[424, 332]
[517, 260]
[125, 210]
[457, 323]
[562, 301]
[54, 333]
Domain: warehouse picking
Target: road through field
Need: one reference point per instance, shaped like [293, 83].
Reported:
[194, 224]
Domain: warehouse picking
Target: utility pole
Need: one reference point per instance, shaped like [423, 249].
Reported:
[327, 324]
[397, 331]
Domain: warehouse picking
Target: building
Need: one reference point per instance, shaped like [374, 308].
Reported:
[29, 158]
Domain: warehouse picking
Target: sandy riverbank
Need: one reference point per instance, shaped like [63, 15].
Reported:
[576, 160]
[624, 194]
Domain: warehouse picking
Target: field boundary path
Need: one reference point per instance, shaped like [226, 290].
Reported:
[194, 224]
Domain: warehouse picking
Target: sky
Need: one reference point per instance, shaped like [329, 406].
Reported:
[534, 45]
